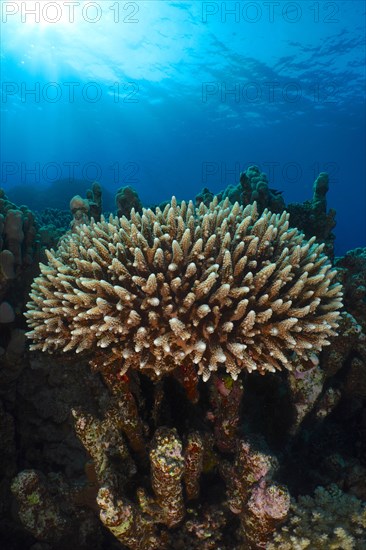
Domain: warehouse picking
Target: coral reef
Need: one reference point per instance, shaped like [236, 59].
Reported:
[312, 218]
[18, 240]
[330, 519]
[163, 454]
[19, 253]
[252, 187]
[145, 520]
[83, 210]
[94, 197]
[126, 200]
[352, 274]
[79, 208]
[60, 219]
[213, 286]
[47, 506]
[206, 196]
[220, 285]
[56, 196]
[260, 504]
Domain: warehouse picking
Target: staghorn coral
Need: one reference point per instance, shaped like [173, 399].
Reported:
[217, 285]
[331, 520]
[229, 502]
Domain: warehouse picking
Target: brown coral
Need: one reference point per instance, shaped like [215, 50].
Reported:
[212, 286]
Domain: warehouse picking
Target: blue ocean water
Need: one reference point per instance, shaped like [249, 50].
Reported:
[170, 97]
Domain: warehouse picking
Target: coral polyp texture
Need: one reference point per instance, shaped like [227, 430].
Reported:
[331, 519]
[214, 286]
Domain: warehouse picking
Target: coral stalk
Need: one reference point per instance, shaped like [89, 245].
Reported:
[167, 468]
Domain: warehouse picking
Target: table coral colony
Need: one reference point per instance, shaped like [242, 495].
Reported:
[174, 307]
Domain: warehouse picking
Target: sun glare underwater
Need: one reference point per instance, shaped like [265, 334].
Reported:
[171, 97]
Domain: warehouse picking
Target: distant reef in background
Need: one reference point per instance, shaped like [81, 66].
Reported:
[56, 195]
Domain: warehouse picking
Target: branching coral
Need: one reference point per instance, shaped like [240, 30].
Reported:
[331, 520]
[170, 298]
[212, 286]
